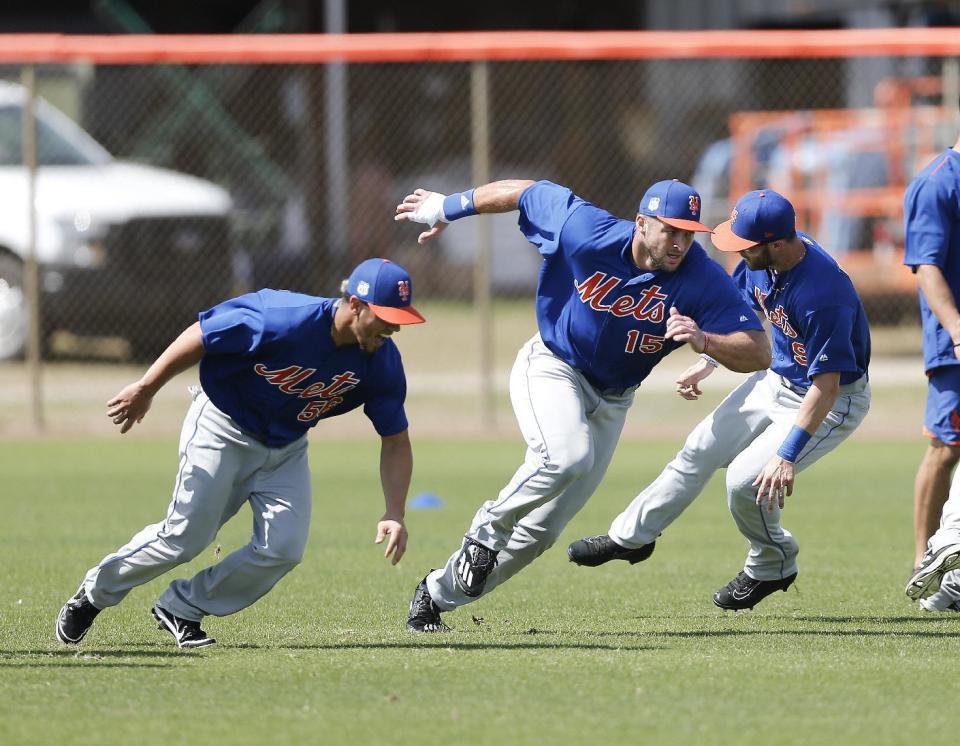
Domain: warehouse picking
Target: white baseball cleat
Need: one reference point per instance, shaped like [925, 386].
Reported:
[926, 578]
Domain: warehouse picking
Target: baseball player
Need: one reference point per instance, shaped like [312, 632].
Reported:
[932, 249]
[775, 424]
[614, 298]
[272, 365]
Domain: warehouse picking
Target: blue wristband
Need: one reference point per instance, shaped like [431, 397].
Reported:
[793, 444]
[458, 205]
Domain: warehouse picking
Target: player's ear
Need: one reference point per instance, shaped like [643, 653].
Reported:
[356, 305]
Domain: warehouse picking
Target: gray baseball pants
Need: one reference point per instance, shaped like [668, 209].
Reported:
[741, 435]
[571, 431]
[221, 468]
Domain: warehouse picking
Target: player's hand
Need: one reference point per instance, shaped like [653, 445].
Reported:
[129, 406]
[684, 329]
[423, 207]
[688, 384]
[397, 541]
[775, 482]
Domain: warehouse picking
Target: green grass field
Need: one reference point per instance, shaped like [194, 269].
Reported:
[616, 654]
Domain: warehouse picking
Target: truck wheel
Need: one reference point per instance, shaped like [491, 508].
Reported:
[13, 307]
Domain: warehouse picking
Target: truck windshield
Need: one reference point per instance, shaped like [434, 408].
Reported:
[54, 146]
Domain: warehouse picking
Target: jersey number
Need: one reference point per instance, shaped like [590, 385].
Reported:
[648, 343]
[318, 407]
[799, 353]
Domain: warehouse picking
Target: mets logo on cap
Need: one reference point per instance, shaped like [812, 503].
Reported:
[694, 203]
[387, 290]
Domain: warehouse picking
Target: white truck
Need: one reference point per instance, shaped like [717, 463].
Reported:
[124, 249]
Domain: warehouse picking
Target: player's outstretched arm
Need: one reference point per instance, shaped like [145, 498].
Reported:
[741, 352]
[776, 480]
[396, 466]
[133, 402]
[436, 210]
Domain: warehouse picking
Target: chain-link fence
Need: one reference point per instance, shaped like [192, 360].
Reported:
[162, 189]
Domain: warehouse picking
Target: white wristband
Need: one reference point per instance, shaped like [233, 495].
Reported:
[704, 356]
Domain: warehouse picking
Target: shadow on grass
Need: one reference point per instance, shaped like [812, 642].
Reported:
[92, 653]
[85, 664]
[926, 618]
[707, 633]
[867, 621]
[446, 643]
[84, 658]
[448, 640]
[873, 619]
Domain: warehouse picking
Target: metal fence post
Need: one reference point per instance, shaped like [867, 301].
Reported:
[31, 273]
[337, 141]
[950, 76]
[480, 119]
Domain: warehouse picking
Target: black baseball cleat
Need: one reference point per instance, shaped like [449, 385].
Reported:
[926, 579]
[592, 551]
[743, 592]
[424, 613]
[75, 618]
[186, 632]
[474, 565]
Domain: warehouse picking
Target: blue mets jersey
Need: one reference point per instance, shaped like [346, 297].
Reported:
[931, 210]
[270, 362]
[596, 310]
[817, 319]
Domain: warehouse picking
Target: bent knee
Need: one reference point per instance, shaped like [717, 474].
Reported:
[570, 462]
[287, 555]
[179, 549]
[944, 454]
[740, 486]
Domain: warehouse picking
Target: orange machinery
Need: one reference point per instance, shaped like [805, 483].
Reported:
[902, 133]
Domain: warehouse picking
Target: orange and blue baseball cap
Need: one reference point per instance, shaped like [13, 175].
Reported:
[387, 288]
[760, 216]
[674, 203]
